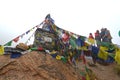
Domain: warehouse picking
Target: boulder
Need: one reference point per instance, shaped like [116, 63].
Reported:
[35, 66]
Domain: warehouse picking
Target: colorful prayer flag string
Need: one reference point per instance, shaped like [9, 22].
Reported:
[17, 38]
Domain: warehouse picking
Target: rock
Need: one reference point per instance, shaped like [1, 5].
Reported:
[35, 66]
[22, 46]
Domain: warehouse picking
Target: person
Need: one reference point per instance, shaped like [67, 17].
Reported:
[97, 37]
[107, 36]
[102, 34]
[91, 39]
[91, 36]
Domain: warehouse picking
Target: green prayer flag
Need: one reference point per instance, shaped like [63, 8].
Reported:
[34, 48]
[82, 73]
[8, 44]
[106, 44]
[86, 68]
[119, 33]
[112, 55]
[63, 59]
[73, 37]
[73, 44]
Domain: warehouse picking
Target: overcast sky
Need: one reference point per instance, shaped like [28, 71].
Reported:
[78, 16]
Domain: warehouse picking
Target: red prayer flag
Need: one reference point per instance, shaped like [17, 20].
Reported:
[40, 48]
[83, 78]
[16, 39]
[83, 57]
[84, 61]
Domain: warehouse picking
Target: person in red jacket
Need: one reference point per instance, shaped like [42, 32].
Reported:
[97, 37]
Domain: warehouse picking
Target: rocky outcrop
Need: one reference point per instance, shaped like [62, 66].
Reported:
[35, 66]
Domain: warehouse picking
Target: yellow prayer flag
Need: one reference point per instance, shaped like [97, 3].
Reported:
[31, 29]
[58, 57]
[87, 77]
[117, 56]
[71, 54]
[102, 53]
[103, 48]
[82, 48]
[77, 61]
[1, 50]
[53, 52]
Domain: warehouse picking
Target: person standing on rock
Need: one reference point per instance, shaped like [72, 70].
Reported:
[97, 37]
[107, 36]
[102, 34]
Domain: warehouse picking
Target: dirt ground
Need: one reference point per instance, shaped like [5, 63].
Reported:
[104, 72]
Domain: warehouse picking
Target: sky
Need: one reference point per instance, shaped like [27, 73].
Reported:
[78, 16]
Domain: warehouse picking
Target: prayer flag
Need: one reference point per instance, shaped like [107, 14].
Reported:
[8, 44]
[117, 56]
[1, 50]
[16, 39]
